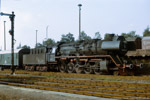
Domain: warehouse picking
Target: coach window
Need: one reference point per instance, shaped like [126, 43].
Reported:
[41, 51]
[38, 51]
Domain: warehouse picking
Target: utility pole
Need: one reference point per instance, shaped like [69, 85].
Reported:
[12, 18]
[36, 37]
[4, 36]
[79, 21]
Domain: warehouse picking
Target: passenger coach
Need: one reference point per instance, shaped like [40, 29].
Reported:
[5, 58]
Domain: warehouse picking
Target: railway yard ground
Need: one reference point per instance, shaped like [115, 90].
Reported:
[27, 85]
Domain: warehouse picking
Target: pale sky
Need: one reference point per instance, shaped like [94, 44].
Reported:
[61, 17]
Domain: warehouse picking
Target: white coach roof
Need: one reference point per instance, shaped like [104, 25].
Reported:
[9, 51]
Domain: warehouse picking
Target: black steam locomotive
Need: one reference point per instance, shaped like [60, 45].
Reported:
[86, 56]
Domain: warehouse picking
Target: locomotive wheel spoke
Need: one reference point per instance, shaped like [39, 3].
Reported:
[71, 68]
[97, 70]
[88, 69]
[62, 68]
[78, 69]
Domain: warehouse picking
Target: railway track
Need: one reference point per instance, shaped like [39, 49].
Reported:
[72, 83]
[140, 79]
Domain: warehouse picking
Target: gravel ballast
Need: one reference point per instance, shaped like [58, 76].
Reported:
[19, 93]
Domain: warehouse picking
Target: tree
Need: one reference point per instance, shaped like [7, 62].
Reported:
[67, 38]
[109, 36]
[48, 42]
[19, 47]
[124, 34]
[97, 35]
[130, 34]
[25, 47]
[39, 45]
[84, 36]
[146, 32]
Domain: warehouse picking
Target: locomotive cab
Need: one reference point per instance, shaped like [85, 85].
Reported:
[51, 52]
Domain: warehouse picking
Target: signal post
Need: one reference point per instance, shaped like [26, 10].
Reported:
[12, 18]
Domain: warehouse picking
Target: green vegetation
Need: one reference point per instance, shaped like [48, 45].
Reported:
[23, 47]
[67, 38]
[83, 36]
[48, 42]
[146, 32]
[97, 35]
[130, 34]
[107, 36]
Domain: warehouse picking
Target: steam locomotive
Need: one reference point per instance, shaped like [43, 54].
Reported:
[86, 56]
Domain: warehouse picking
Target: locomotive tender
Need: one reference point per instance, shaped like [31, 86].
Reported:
[86, 56]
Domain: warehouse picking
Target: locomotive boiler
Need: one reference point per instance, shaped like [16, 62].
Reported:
[115, 44]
